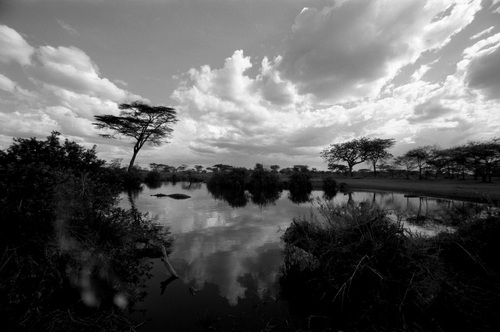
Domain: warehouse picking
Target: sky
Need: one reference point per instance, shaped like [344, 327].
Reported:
[252, 81]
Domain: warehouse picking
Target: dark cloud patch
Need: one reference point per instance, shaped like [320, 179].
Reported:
[428, 111]
[339, 52]
[483, 74]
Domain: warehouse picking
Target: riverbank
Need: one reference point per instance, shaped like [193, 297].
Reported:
[454, 189]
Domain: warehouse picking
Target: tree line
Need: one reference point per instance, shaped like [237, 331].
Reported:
[478, 158]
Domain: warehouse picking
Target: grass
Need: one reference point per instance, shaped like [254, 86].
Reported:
[361, 271]
[456, 189]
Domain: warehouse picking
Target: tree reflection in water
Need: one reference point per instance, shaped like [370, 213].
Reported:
[300, 187]
[234, 197]
[264, 198]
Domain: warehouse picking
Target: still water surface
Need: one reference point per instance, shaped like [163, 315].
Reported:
[228, 259]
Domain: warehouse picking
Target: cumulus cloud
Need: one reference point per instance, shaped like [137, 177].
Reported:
[69, 91]
[72, 69]
[13, 47]
[349, 51]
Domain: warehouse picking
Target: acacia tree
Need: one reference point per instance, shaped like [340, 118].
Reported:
[421, 156]
[352, 152]
[142, 122]
[408, 163]
[377, 151]
[485, 156]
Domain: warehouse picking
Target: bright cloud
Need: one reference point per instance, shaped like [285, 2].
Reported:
[14, 47]
[348, 52]
[70, 91]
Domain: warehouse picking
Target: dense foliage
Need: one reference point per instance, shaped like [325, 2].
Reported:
[300, 187]
[355, 269]
[66, 248]
[265, 186]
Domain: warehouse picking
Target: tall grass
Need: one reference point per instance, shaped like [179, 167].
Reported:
[355, 269]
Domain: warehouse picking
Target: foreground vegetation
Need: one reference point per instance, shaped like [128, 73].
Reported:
[355, 269]
[70, 258]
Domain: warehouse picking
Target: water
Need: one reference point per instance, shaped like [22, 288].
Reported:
[228, 258]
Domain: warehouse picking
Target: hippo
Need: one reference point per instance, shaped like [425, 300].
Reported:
[174, 196]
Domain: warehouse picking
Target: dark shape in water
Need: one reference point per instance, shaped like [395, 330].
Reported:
[174, 196]
[164, 284]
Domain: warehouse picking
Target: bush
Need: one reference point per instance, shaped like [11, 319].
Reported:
[133, 179]
[233, 179]
[65, 239]
[265, 187]
[153, 177]
[329, 187]
[300, 187]
[363, 271]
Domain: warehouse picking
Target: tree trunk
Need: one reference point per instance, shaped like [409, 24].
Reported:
[132, 161]
[374, 169]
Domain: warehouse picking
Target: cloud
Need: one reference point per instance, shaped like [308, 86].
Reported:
[430, 110]
[13, 47]
[68, 28]
[15, 89]
[27, 124]
[72, 69]
[482, 62]
[348, 52]
[69, 92]
[482, 33]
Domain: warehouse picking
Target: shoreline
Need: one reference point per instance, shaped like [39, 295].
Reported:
[467, 190]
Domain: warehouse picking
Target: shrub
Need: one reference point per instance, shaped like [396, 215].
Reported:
[361, 271]
[329, 187]
[233, 179]
[265, 187]
[300, 187]
[65, 239]
[133, 179]
[153, 177]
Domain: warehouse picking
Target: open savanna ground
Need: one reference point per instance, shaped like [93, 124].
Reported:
[458, 189]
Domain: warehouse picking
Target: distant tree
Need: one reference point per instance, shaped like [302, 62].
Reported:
[300, 168]
[198, 168]
[421, 156]
[155, 166]
[221, 167]
[116, 163]
[259, 167]
[352, 152]
[439, 159]
[338, 168]
[181, 168]
[376, 151]
[389, 168]
[274, 167]
[485, 156]
[143, 123]
[407, 162]
[287, 170]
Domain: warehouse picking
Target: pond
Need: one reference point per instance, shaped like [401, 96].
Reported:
[228, 259]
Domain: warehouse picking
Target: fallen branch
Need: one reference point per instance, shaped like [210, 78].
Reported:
[167, 262]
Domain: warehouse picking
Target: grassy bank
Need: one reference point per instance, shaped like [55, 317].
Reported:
[354, 269]
[454, 189]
